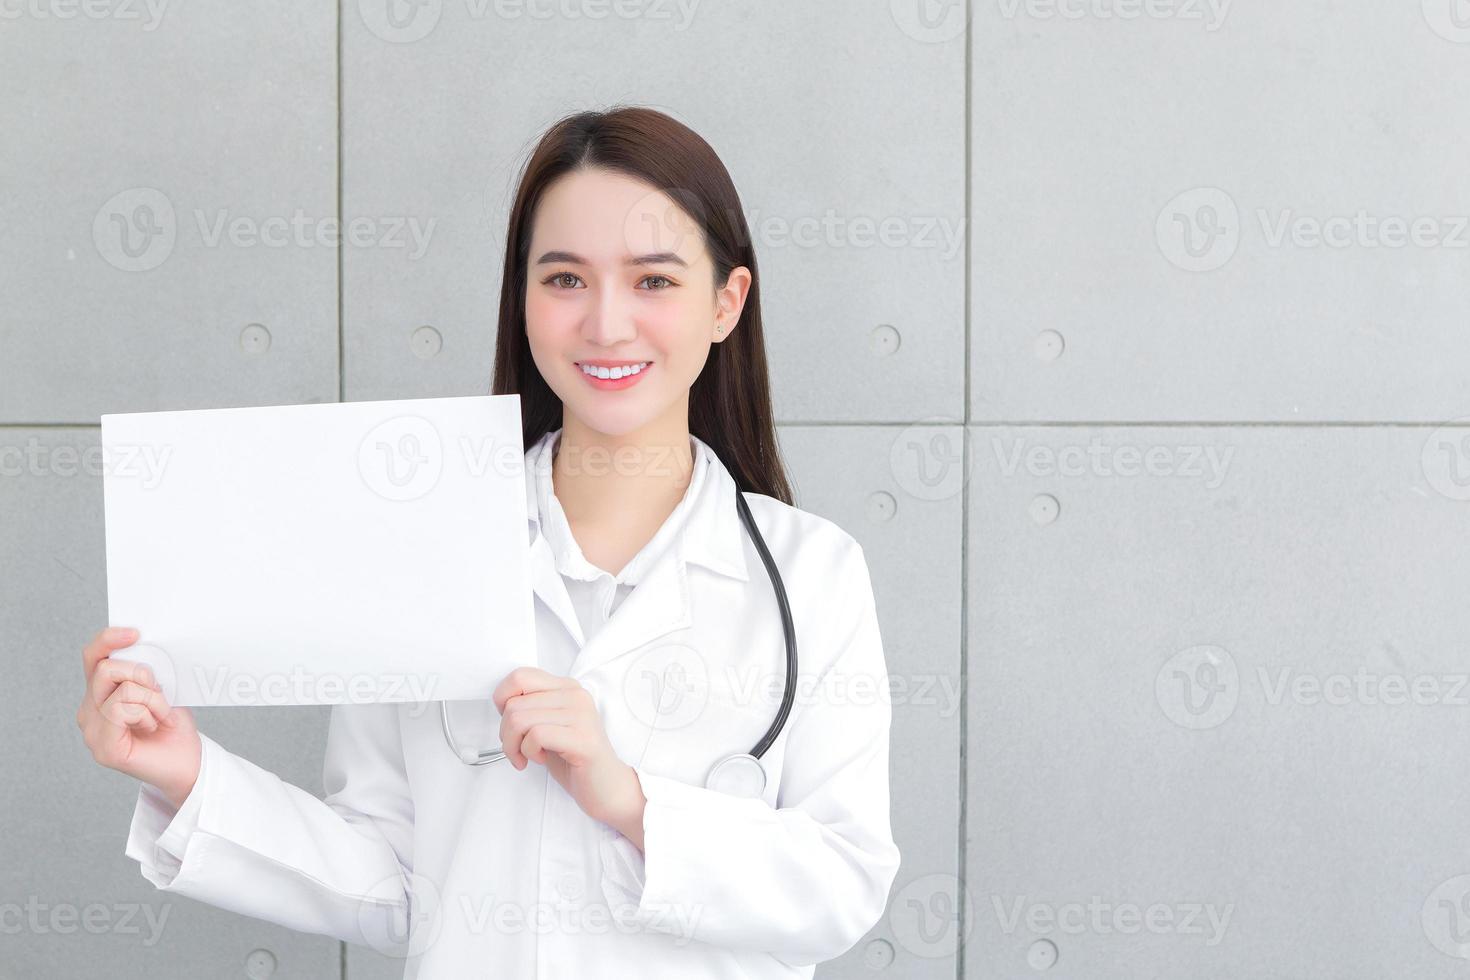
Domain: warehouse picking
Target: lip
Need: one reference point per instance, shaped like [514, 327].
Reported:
[611, 384]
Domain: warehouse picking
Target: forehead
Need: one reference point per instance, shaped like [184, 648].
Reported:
[607, 217]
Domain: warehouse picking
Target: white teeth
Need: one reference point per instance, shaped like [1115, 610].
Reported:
[614, 373]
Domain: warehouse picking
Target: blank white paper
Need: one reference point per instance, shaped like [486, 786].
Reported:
[359, 552]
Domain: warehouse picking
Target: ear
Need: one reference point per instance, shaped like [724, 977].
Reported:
[729, 302]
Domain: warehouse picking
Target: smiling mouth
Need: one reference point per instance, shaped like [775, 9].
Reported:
[614, 373]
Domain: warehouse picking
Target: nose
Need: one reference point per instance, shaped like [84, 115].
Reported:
[609, 320]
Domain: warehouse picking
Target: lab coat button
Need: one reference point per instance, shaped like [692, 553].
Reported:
[570, 885]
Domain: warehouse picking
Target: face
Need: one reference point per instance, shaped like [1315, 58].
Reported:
[619, 276]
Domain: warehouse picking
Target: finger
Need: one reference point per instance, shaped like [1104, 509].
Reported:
[525, 680]
[513, 728]
[107, 640]
[561, 697]
[110, 673]
[134, 706]
[551, 738]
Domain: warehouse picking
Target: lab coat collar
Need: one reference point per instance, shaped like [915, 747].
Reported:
[660, 603]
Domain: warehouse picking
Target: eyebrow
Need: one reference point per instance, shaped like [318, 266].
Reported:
[653, 258]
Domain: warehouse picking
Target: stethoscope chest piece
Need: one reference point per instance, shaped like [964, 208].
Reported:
[738, 775]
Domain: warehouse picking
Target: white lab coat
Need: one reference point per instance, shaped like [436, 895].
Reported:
[503, 873]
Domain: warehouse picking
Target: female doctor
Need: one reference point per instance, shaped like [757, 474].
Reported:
[642, 821]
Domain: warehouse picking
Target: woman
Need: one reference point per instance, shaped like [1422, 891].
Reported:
[630, 328]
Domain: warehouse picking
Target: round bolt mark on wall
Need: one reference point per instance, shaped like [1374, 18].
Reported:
[260, 964]
[1042, 955]
[1199, 230]
[1198, 688]
[884, 340]
[136, 229]
[1049, 345]
[255, 339]
[426, 342]
[1044, 509]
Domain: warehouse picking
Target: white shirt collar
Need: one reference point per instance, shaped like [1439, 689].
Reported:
[704, 528]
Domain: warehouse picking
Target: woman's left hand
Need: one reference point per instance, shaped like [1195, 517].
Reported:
[553, 721]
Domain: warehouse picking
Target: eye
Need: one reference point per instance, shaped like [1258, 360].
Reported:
[560, 275]
[666, 279]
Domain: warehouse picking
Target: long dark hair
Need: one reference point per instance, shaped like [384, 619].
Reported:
[730, 401]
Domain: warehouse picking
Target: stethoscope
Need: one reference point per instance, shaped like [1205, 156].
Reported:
[738, 775]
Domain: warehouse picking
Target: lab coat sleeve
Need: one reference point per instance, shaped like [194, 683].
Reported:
[247, 841]
[803, 881]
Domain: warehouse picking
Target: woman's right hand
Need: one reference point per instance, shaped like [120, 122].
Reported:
[128, 724]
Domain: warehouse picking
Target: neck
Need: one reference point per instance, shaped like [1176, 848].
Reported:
[635, 479]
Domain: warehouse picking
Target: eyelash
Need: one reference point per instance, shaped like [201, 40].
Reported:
[652, 275]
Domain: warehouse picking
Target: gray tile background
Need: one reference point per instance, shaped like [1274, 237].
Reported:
[1130, 338]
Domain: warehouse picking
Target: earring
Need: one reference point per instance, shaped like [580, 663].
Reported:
[720, 328]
